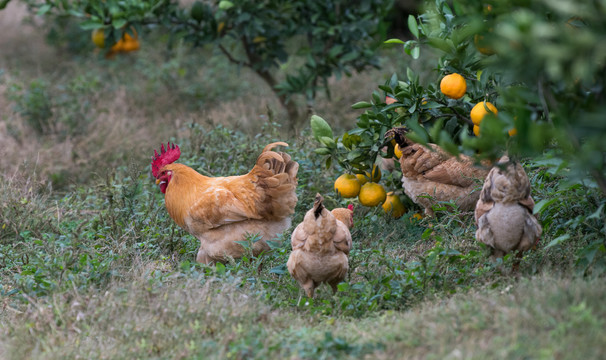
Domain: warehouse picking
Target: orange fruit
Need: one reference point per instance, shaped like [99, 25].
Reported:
[363, 179]
[453, 86]
[397, 151]
[479, 111]
[393, 205]
[131, 45]
[476, 130]
[418, 216]
[118, 46]
[98, 38]
[372, 194]
[347, 185]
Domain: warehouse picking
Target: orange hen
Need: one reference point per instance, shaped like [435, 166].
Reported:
[220, 211]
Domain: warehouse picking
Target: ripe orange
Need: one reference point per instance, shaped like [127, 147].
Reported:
[371, 194]
[476, 130]
[393, 205]
[220, 27]
[98, 38]
[347, 185]
[479, 111]
[397, 151]
[363, 179]
[453, 86]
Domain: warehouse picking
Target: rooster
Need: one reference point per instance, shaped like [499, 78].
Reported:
[504, 211]
[221, 211]
[432, 175]
[320, 247]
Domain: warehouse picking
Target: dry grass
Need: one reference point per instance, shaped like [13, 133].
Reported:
[544, 317]
[140, 103]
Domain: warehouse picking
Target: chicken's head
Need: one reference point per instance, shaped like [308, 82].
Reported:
[344, 215]
[167, 155]
[164, 179]
[399, 135]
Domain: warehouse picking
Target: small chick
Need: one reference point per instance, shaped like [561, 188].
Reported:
[320, 247]
[504, 211]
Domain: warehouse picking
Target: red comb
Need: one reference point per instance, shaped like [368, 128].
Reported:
[350, 207]
[165, 157]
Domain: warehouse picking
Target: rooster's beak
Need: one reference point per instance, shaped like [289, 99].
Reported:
[157, 181]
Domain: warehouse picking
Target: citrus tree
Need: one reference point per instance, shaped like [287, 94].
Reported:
[524, 77]
[328, 38]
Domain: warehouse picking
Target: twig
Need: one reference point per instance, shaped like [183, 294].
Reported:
[231, 58]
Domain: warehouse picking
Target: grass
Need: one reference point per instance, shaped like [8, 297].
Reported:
[93, 267]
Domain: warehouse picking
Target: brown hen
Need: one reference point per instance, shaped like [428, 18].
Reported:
[320, 247]
[431, 175]
[504, 211]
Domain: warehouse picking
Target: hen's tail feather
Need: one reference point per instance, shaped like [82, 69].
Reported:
[318, 205]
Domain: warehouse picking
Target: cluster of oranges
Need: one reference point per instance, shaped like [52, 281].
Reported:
[369, 192]
[126, 43]
[454, 86]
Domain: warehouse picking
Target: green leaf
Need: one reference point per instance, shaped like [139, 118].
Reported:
[225, 5]
[415, 52]
[543, 204]
[361, 105]
[597, 213]
[558, 240]
[413, 26]
[394, 41]
[320, 128]
[322, 151]
[91, 24]
[119, 23]
[441, 44]
[328, 142]
[44, 9]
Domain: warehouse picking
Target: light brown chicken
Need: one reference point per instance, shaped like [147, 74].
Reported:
[504, 211]
[320, 247]
[220, 211]
[430, 176]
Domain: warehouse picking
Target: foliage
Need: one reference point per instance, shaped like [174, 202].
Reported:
[537, 77]
[313, 41]
[536, 73]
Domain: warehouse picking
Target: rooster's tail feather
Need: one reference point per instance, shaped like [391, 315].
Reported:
[276, 173]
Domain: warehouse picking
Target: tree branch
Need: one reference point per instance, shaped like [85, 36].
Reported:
[231, 58]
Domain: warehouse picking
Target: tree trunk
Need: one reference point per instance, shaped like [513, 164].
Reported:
[294, 117]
